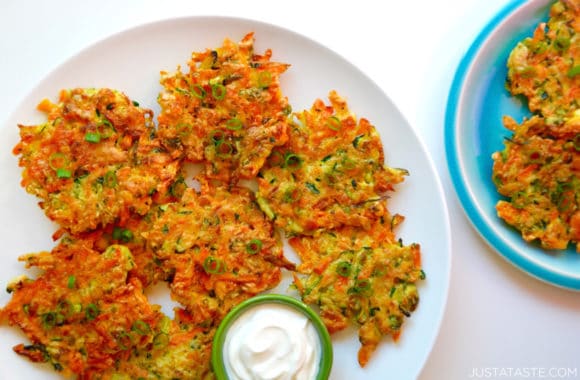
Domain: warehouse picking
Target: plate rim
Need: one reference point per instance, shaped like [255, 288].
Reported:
[460, 185]
[440, 310]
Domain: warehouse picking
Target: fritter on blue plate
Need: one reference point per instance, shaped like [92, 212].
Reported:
[539, 173]
[545, 68]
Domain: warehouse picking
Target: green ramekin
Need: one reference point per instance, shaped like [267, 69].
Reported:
[326, 353]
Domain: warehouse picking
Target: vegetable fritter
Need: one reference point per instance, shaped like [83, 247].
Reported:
[228, 111]
[95, 161]
[330, 173]
[83, 314]
[361, 277]
[545, 68]
[149, 270]
[539, 173]
[220, 247]
[180, 351]
[538, 168]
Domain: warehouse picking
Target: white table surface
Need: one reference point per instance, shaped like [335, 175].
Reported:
[499, 323]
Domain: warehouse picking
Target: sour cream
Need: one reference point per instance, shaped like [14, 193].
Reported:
[272, 342]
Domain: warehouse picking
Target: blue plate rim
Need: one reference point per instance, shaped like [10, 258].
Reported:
[453, 163]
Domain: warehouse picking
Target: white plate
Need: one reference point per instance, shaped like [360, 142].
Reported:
[131, 61]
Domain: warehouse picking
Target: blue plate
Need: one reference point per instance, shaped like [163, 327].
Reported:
[473, 131]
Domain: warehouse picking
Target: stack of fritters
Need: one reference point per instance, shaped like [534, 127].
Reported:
[539, 169]
[116, 187]
[326, 188]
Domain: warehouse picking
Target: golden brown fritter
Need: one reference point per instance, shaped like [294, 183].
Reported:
[539, 173]
[83, 314]
[95, 161]
[221, 248]
[361, 277]
[538, 169]
[545, 68]
[227, 112]
[180, 351]
[330, 173]
[149, 270]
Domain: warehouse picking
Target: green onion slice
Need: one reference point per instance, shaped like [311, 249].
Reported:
[92, 311]
[562, 43]
[111, 179]
[292, 161]
[181, 91]
[52, 319]
[395, 322]
[183, 129]
[71, 282]
[333, 123]
[211, 265]
[49, 320]
[218, 91]
[126, 236]
[124, 340]
[64, 308]
[58, 160]
[60, 163]
[92, 137]
[122, 234]
[234, 124]
[312, 187]
[264, 79]
[105, 129]
[344, 268]
[363, 285]
[356, 140]
[176, 188]
[217, 136]
[63, 173]
[224, 148]
[198, 91]
[254, 246]
[141, 327]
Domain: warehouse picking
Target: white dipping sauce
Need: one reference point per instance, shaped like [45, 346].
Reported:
[272, 342]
